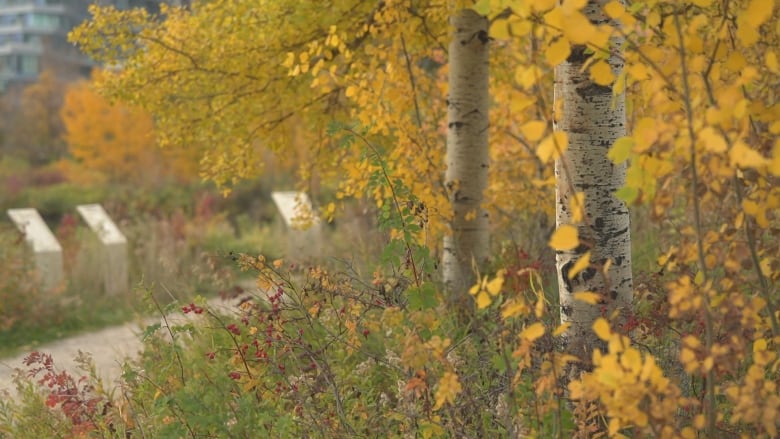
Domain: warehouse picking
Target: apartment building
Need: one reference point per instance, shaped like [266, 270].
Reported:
[33, 36]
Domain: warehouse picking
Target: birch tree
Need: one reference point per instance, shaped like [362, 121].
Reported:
[593, 118]
[467, 152]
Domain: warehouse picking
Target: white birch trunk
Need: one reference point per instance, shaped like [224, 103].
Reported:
[467, 153]
[593, 119]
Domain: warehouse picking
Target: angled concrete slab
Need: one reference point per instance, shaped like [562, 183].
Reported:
[305, 227]
[114, 260]
[46, 249]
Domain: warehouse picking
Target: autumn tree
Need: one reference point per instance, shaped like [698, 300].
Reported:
[376, 69]
[31, 125]
[699, 79]
[466, 247]
[593, 118]
[117, 140]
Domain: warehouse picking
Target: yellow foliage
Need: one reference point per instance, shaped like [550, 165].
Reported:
[564, 238]
[448, 389]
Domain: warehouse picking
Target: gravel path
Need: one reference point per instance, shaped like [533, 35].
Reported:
[109, 347]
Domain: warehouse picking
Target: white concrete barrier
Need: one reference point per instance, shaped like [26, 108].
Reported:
[305, 226]
[114, 258]
[46, 249]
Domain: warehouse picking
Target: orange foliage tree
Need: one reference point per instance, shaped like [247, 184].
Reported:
[117, 140]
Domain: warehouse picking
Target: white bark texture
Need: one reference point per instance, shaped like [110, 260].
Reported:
[467, 152]
[593, 119]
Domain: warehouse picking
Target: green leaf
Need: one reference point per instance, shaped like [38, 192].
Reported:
[621, 150]
[423, 297]
[150, 331]
[627, 194]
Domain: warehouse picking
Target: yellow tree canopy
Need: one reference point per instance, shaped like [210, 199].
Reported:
[229, 78]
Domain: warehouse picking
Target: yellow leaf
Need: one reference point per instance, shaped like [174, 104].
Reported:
[614, 427]
[743, 156]
[564, 238]
[702, 3]
[747, 33]
[289, 60]
[645, 134]
[578, 29]
[500, 30]
[554, 18]
[513, 308]
[552, 146]
[542, 5]
[758, 12]
[570, 6]
[561, 329]
[601, 73]
[558, 51]
[478, 287]
[582, 263]
[713, 141]
[494, 286]
[614, 9]
[449, 388]
[588, 297]
[771, 62]
[483, 300]
[532, 332]
[601, 328]
[699, 279]
[759, 345]
[533, 130]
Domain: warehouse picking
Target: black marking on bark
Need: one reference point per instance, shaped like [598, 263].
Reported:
[592, 89]
[578, 55]
[619, 261]
[566, 310]
[620, 232]
[581, 249]
[483, 36]
[588, 274]
[599, 224]
[455, 124]
[565, 275]
[613, 294]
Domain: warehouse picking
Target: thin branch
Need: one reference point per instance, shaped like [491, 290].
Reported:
[709, 407]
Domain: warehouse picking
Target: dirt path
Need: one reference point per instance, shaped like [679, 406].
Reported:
[108, 347]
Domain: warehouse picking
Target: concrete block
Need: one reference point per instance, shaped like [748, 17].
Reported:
[114, 260]
[305, 227]
[46, 250]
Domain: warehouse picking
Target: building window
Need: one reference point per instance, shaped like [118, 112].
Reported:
[29, 65]
[43, 21]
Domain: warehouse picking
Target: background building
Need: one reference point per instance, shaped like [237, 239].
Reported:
[34, 36]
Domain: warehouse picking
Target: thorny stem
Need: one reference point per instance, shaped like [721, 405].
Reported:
[709, 407]
[232, 336]
[396, 203]
[170, 332]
